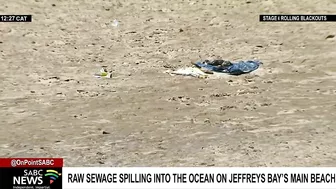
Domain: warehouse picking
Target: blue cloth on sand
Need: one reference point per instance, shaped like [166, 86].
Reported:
[237, 68]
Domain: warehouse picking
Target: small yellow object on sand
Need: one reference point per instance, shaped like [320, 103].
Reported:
[104, 73]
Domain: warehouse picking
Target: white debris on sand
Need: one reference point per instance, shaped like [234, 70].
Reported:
[188, 71]
[196, 72]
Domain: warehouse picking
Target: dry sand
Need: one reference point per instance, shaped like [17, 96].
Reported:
[284, 114]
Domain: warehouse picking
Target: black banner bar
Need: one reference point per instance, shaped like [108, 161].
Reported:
[297, 18]
[15, 18]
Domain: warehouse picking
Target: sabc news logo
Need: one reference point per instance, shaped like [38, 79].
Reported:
[35, 177]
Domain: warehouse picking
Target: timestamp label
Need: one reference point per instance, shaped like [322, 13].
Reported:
[15, 18]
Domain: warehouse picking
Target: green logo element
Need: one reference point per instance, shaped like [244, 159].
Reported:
[53, 175]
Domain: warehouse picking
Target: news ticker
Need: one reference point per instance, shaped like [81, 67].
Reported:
[49, 173]
[297, 18]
